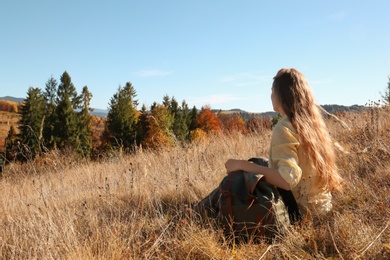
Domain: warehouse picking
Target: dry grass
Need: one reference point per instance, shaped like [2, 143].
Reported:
[6, 120]
[134, 207]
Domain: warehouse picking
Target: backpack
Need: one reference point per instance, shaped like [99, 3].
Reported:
[250, 208]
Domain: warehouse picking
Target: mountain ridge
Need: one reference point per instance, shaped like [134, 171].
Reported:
[330, 108]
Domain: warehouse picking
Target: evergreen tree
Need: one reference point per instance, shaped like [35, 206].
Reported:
[166, 101]
[122, 116]
[186, 117]
[66, 125]
[31, 121]
[11, 142]
[50, 118]
[142, 125]
[84, 146]
[51, 92]
[193, 117]
[386, 95]
[179, 127]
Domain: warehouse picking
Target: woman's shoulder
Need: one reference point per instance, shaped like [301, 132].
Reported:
[284, 123]
[284, 129]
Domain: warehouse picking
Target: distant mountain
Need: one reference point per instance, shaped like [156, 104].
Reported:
[96, 111]
[340, 108]
[329, 108]
[13, 99]
[99, 112]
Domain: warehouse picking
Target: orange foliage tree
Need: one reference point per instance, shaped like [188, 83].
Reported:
[258, 124]
[9, 106]
[232, 122]
[159, 123]
[208, 121]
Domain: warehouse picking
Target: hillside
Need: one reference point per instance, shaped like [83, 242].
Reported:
[138, 206]
[329, 108]
[13, 99]
[6, 120]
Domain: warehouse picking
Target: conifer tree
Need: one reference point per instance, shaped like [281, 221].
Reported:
[179, 127]
[386, 95]
[122, 116]
[50, 117]
[142, 125]
[11, 144]
[186, 118]
[31, 121]
[66, 125]
[84, 146]
[51, 92]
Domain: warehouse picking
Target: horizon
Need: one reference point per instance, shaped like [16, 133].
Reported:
[222, 54]
[104, 111]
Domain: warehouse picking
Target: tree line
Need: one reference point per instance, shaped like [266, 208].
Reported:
[59, 118]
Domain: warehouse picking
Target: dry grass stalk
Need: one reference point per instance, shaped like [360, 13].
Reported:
[133, 207]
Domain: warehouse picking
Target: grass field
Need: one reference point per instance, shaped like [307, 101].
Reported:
[131, 207]
[6, 120]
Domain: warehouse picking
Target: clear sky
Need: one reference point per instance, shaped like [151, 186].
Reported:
[220, 53]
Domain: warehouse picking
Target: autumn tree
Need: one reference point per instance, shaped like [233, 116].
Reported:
[122, 116]
[9, 106]
[257, 124]
[208, 121]
[232, 122]
[159, 123]
[31, 121]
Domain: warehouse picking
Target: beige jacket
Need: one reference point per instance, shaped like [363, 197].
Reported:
[289, 159]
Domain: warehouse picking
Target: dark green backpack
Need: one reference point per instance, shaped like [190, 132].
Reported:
[250, 208]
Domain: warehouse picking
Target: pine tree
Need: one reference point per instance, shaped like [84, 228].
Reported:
[179, 127]
[50, 118]
[186, 118]
[31, 121]
[51, 92]
[84, 145]
[11, 142]
[66, 125]
[142, 125]
[192, 118]
[122, 116]
[386, 95]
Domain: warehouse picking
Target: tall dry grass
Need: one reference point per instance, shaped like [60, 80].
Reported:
[134, 207]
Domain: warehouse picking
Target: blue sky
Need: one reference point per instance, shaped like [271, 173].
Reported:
[218, 53]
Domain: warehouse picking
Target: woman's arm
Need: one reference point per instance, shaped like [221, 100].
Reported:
[272, 176]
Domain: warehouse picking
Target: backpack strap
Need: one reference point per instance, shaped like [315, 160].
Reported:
[251, 181]
[227, 207]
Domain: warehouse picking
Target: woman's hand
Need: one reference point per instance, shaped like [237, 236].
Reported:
[233, 165]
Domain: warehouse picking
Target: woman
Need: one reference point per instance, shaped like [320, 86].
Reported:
[301, 157]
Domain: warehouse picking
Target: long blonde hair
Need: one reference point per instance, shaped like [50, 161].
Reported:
[297, 101]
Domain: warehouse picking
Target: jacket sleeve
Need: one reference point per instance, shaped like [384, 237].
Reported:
[284, 154]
